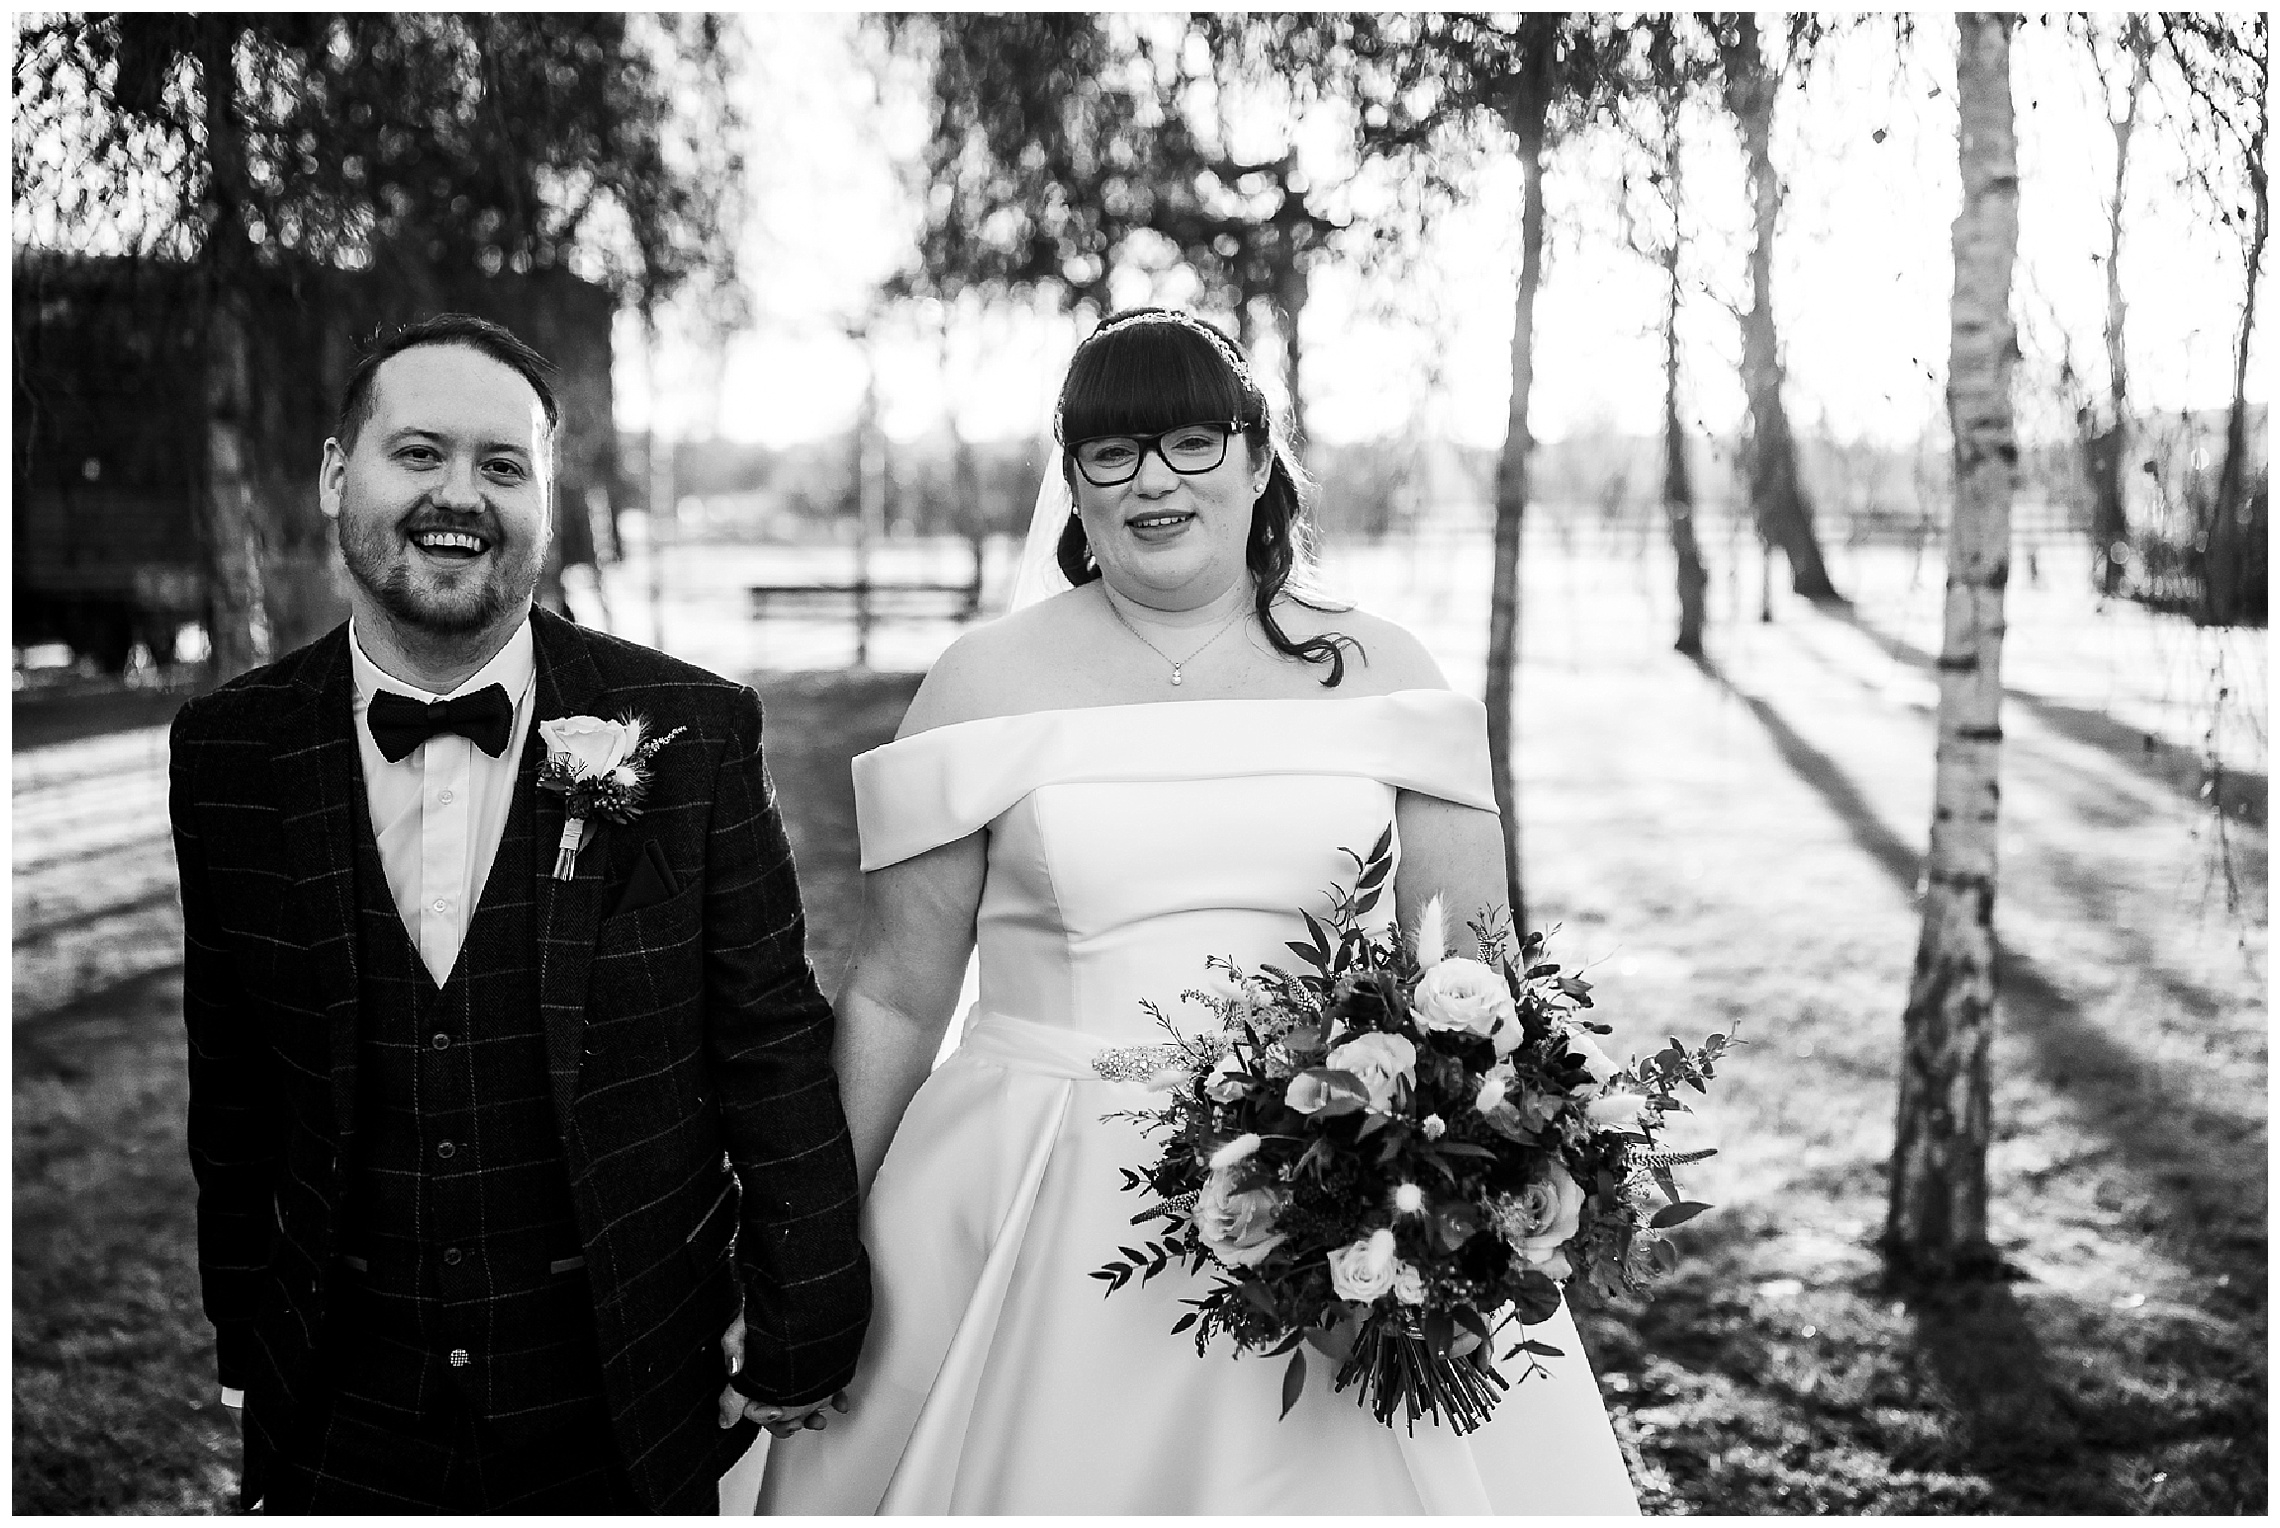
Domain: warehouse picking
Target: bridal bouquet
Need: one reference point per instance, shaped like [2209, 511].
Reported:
[1397, 1153]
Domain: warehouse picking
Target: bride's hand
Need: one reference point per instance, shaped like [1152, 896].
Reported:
[782, 1421]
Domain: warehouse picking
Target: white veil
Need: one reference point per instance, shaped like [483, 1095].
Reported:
[1038, 575]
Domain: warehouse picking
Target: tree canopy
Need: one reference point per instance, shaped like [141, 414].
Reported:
[603, 144]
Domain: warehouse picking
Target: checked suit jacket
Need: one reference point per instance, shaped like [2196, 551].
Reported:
[688, 1049]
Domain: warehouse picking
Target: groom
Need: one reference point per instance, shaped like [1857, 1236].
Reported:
[499, 1173]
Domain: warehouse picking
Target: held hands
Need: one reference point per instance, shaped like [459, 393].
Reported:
[781, 1421]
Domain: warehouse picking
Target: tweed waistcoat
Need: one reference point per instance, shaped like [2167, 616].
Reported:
[465, 1272]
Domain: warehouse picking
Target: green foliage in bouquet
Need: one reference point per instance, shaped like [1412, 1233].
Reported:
[1391, 1155]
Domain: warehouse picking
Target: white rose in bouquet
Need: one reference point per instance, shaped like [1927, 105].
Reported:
[1365, 1269]
[1408, 1284]
[1380, 1061]
[1465, 997]
[1537, 1221]
[1237, 1224]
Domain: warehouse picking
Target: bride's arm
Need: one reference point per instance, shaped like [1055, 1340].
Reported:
[1453, 851]
[910, 960]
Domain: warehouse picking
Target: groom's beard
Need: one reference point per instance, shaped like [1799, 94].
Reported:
[380, 557]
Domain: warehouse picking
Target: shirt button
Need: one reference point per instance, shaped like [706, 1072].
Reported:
[459, 1358]
[441, 904]
[447, 1151]
[444, 797]
[451, 1256]
[439, 1041]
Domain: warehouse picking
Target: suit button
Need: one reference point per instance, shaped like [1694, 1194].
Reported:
[459, 1358]
[451, 1257]
[446, 1150]
[439, 1041]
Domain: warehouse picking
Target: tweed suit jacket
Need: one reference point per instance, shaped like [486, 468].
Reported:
[688, 1049]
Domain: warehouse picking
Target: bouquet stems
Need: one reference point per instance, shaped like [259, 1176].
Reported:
[1399, 1372]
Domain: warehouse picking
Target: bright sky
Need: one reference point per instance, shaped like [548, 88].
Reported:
[1861, 280]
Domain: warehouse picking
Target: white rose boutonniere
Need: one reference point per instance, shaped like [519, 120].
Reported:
[599, 768]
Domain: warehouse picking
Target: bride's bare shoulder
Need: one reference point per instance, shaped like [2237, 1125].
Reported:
[998, 667]
[1385, 657]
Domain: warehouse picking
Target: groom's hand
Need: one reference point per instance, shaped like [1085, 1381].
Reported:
[781, 1421]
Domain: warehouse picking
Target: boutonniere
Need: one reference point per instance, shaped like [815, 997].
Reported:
[599, 768]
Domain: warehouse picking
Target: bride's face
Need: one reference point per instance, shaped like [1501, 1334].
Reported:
[1175, 540]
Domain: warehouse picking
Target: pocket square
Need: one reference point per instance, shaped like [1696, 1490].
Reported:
[651, 882]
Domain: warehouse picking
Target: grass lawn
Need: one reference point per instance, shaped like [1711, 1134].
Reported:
[1732, 849]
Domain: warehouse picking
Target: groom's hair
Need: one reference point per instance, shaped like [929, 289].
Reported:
[494, 340]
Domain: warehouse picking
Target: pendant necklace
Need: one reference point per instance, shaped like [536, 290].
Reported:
[1176, 663]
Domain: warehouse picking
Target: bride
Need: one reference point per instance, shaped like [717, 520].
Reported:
[1158, 764]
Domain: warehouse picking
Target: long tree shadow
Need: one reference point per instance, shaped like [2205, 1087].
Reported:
[1853, 1394]
[2206, 1162]
[2240, 794]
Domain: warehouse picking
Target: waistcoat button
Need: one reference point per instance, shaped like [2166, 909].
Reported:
[446, 1150]
[439, 1041]
[451, 1256]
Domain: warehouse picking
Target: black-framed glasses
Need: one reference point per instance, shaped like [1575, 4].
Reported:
[1107, 460]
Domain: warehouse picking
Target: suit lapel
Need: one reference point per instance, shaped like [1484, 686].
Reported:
[570, 911]
[318, 776]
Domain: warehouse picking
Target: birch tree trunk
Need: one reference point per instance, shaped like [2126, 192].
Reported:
[1525, 115]
[2220, 575]
[1937, 1226]
[2108, 441]
[1785, 515]
[1678, 487]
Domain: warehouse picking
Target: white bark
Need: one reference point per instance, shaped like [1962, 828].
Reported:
[1938, 1220]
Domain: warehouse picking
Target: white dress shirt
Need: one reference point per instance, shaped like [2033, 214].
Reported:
[440, 811]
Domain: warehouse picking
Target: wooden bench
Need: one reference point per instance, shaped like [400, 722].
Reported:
[870, 600]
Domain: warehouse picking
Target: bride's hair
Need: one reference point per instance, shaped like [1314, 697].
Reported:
[1150, 369]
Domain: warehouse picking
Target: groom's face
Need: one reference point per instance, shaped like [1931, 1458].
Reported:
[442, 496]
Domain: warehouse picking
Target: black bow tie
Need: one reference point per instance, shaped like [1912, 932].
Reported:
[400, 724]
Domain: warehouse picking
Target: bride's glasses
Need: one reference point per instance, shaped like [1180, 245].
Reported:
[1107, 460]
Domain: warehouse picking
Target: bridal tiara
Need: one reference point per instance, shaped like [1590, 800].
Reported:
[1220, 342]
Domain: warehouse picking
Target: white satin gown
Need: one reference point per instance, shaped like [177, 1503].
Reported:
[1126, 844]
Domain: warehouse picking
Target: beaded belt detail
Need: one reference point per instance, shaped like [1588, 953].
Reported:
[1138, 1063]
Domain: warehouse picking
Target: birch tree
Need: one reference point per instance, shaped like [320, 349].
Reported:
[1677, 70]
[1530, 79]
[2226, 62]
[1937, 1223]
[2123, 47]
[1777, 492]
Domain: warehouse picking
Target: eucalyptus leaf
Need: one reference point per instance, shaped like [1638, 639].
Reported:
[1294, 1381]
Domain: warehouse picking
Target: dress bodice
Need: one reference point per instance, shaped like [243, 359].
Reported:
[1128, 843]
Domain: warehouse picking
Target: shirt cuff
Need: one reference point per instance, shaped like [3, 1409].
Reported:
[233, 1398]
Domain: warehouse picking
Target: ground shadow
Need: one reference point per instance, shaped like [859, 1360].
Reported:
[2240, 794]
[2206, 1162]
